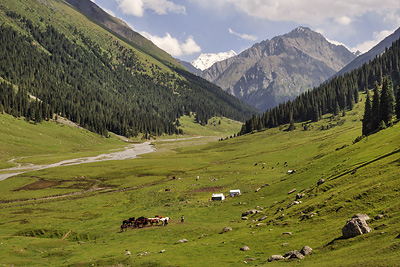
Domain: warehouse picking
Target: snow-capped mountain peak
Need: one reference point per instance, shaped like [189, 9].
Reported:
[204, 61]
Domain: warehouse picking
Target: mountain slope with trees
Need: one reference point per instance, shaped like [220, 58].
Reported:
[340, 94]
[75, 68]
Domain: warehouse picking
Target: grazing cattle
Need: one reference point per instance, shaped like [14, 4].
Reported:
[164, 221]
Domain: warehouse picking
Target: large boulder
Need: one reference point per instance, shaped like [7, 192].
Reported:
[306, 250]
[245, 248]
[354, 227]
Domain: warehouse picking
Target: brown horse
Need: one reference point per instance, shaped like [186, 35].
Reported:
[141, 222]
[124, 227]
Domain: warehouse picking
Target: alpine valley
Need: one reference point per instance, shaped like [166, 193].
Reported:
[113, 154]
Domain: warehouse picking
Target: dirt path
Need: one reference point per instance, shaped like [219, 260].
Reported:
[130, 152]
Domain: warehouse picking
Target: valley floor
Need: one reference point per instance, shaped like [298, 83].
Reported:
[82, 228]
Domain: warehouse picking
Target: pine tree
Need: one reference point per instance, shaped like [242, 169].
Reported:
[366, 122]
[375, 120]
[386, 107]
[398, 103]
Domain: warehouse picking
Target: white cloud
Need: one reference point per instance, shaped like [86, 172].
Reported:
[367, 45]
[344, 20]
[172, 45]
[312, 12]
[160, 7]
[244, 35]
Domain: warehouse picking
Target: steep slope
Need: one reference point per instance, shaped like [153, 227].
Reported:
[119, 27]
[78, 68]
[277, 70]
[371, 54]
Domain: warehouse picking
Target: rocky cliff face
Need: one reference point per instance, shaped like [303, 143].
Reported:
[274, 71]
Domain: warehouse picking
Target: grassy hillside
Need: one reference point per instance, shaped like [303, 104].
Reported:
[82, 229]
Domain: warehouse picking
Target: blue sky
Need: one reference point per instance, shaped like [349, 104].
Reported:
[186, 28]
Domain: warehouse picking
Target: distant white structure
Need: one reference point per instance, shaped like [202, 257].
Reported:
[218, 196]
[234, 192]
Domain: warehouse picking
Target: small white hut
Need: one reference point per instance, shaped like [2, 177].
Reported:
[234, 192]
[218, 196]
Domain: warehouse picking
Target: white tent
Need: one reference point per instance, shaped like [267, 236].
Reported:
[234, 192]
[218, 196]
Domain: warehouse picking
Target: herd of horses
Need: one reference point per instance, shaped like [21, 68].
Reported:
[143, 221]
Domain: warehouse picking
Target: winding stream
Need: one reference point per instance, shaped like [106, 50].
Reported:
[130, 152]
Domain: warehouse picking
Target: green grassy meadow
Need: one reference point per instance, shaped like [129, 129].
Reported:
[80, 225]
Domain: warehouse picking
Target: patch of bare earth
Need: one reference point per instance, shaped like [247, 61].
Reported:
[40, 184]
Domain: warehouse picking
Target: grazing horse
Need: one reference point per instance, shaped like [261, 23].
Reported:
[124, 227]
[153, 220]
[164, 221]
[129, 221]
[141, 221]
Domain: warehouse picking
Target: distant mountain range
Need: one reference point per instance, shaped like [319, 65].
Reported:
[277, 70]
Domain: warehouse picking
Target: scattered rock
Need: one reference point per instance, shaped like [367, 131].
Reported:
[294, 254]
[378, 217]
[295, 203]
[162, 251]
[127, 253]
[287, 233]
[298, 196]
[227, 229]
[258, 189]
[320, 181]
[275, 258]
[182, 241]
[260, 224]
[245, 218]
[292, 191]
[306, 250]
[263, 218]
[285, 244]
[80, 242]
[250, 259]
[248, 212]
[245, 248]
[355, 227]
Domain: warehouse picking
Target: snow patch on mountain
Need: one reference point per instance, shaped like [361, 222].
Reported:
[205, 61]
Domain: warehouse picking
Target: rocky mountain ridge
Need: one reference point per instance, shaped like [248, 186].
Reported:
[274, 71]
